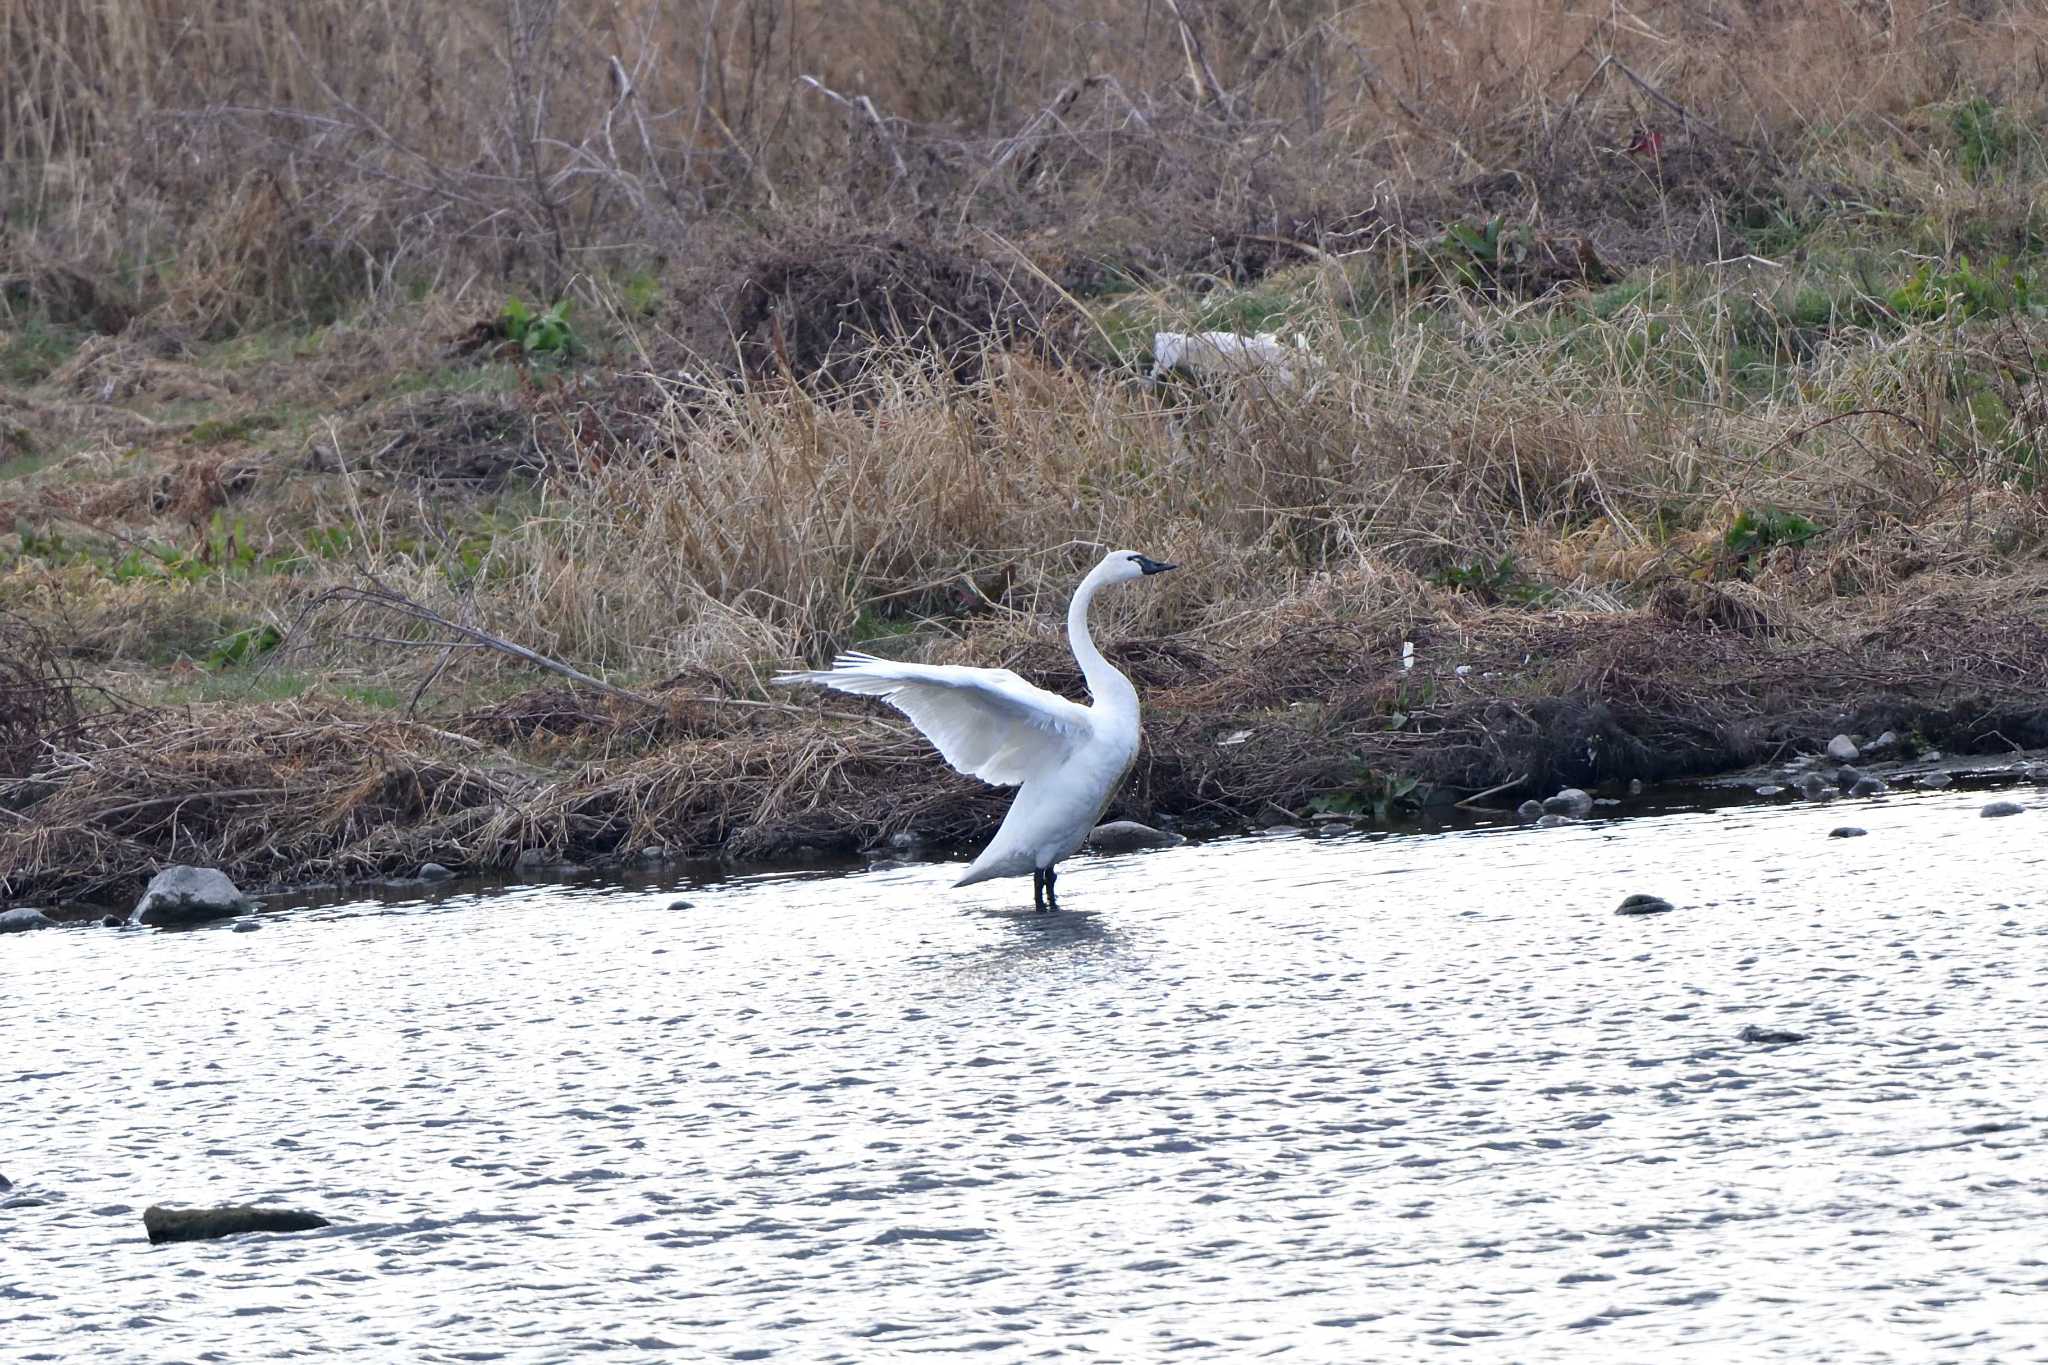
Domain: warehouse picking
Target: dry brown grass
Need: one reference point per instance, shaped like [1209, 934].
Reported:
[242, 161]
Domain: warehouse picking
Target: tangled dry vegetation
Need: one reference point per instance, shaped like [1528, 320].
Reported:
[1680, 400]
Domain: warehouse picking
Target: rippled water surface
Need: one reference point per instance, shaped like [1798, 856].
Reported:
[1333, 1099]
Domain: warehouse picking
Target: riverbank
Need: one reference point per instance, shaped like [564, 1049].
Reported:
[1672, 436]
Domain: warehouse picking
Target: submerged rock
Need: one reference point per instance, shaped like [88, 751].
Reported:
[434, 872]
[1640, 904]
[1937, 780]
[189, 895]
[1529, 810]
[1125, 836]
[1813, 786]
[1869, 786]
[1997, 808]
[1843, 749]
[1552, 821]
[247, 926]
[22, 920]
[1752, 1034]
[679, 905]
[1571, 801]
[1847, 832]
[196, 1225]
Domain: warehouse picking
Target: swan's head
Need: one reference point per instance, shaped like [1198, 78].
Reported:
[1119, 565]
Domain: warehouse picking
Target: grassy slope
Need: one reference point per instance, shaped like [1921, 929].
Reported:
[1685, 517]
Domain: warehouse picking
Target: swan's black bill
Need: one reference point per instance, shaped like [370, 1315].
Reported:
[1153, 565]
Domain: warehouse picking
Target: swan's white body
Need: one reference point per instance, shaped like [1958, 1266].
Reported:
[1065, 759]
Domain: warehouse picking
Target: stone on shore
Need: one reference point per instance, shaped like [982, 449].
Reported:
[1843, 749]
[1529, 810]
[198, 1225]
[22, 920]
[1125, 836]
[1571, 801]
[189, 895]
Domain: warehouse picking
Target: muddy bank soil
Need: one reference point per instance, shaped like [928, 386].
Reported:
[1320, 718]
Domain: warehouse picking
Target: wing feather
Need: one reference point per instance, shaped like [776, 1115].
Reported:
[987, 722]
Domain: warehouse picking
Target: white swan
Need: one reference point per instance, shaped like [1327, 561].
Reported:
[1065, 759]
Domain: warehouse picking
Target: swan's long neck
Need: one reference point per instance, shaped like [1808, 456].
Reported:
[1111, 689]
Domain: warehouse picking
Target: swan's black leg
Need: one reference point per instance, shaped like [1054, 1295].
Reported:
[1052, 901]
[1038, 887]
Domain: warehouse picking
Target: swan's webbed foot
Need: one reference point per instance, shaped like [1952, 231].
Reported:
[1042, 898]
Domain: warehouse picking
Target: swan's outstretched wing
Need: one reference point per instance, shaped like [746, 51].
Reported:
[987, 722]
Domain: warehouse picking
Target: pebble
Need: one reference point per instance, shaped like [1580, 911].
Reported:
[1752, 1034]
[1842, 749]
[1640, 904]
[1997, 808]
[1847, 832]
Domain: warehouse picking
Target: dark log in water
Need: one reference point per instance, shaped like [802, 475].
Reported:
[197, 1225]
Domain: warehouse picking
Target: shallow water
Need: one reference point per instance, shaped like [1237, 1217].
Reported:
[1331, 1099]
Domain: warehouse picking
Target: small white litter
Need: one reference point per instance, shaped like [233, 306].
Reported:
[1226, 355]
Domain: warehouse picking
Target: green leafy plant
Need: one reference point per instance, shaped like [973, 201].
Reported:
[1963, 292]
[245, 645]
[546, 333]
[1495, 582]
[1984, 140]
[1755, 531]
[1379, 797]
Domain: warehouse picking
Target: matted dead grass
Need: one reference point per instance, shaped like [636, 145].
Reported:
[1315, 706]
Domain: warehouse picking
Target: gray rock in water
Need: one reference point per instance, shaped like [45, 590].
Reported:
[1553, 820]
[1843, 749]
[22, 920]
[679, 905]
[247, 926]
[1845, 778]
[1571, 801]
[1529, 810]
[1640, 904]
[112, 921]
[197, 1225]
[1937, 780]
[903, 839]
[434, 872]
[5, 1184]
[1126, 836]
[1847, 832]
[1813, 786]
[2036, 772]
[189, 895]
[1752, 1034]
[1869, 786]
[1997, 808]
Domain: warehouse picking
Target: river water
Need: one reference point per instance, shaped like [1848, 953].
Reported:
[1329, 1099]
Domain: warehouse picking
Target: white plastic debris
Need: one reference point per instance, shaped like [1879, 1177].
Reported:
[1221, 355]
[1407, 655]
